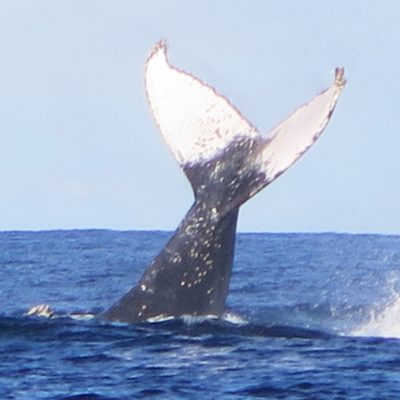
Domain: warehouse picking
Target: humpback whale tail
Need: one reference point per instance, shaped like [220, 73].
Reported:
[227, 161]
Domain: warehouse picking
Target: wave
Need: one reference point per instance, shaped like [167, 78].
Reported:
[60, 328]
[290, 321]
[224, 327]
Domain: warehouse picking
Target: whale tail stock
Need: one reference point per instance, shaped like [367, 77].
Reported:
[226, 161]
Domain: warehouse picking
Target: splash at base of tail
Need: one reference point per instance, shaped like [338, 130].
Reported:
[227, 162]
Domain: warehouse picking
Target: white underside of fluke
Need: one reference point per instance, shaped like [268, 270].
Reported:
[195, 121]
[294, 135]
[198, 123]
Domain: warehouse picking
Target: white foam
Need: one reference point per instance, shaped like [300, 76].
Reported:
[160, 318]
[235, 319]
[41, 310]
[82, 317]
[186, 318]
[44, 311]
[382, 323]
[196, 319]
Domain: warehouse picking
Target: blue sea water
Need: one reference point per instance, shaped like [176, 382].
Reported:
[312, 316]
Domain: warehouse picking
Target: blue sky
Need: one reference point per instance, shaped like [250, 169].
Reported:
[78, 147]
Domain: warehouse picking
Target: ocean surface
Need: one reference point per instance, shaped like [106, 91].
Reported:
[311, 316]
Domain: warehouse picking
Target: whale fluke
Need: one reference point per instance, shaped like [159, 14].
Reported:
[227, 161]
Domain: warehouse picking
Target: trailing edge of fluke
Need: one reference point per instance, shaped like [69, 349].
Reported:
[227, 161]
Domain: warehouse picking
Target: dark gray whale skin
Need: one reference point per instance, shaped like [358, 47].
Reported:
[191, 274]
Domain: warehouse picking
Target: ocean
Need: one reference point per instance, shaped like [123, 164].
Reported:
[310, 316]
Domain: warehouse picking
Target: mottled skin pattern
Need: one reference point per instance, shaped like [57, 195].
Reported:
[191, 275]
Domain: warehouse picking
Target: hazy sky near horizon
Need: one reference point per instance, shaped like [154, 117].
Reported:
[79, 149]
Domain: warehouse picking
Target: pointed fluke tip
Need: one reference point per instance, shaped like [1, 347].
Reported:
[340, 80]
[159, 46]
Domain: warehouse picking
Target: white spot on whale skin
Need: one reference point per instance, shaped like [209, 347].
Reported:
[214, 214]
[206, 256]
[207, 243]
[177, 258]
